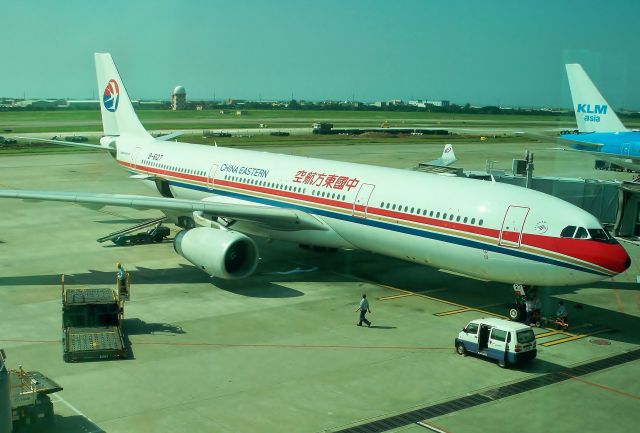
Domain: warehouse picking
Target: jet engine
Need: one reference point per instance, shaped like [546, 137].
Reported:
[220, 253]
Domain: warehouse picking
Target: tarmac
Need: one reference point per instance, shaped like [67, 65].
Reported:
[280, 352]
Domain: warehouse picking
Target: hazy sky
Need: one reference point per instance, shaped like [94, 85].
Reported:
[482, 52]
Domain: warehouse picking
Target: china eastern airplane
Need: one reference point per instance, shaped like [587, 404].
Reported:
[600, 131]
[481, 229]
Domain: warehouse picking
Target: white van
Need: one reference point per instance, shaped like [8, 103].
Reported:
[502, 340]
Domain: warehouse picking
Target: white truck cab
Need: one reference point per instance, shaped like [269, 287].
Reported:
[505, 341]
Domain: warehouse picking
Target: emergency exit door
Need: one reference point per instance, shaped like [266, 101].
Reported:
[511, 233]
[136, 157]
[361, 203]
[212, 176]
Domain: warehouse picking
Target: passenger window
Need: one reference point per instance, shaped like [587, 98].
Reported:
[464, 220]
[393, 207]
[451, 217]
[568, 232]
[431, 213]
[411, 210]
[437, 214]
[444, 216]
[382, 204]
[581, 233]
[458, 218]
[480, 222]
[418, 212]
[498, 334]
[406, 208]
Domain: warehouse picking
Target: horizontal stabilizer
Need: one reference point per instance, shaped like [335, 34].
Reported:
[170, 136]
[65, 143]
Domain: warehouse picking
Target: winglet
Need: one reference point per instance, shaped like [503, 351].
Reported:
[593, 113]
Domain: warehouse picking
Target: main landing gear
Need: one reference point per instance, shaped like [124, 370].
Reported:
[518, 310]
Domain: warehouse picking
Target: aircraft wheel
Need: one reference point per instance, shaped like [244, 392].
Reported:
[515, 314]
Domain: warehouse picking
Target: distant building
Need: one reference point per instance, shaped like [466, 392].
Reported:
[41, 103]
[179, 98]
[83, 104]
[442, 103]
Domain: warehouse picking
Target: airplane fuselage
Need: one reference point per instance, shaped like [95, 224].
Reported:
[622, 148]
[484, 230]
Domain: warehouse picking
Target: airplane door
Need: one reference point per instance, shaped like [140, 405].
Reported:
[361, 203]
[212, 176]
[511, 232]
[136, 155]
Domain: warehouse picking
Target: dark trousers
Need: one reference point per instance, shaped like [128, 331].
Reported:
[363, 318]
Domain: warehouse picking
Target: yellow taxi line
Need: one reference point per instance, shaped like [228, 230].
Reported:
[573, 337]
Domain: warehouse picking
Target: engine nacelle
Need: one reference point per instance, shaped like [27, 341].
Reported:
[220, 253]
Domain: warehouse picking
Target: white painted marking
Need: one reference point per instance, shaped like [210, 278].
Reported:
[430, 427]
[294, 271]
[77, 412]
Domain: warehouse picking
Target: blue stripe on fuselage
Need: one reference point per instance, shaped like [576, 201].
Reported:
[390, 227]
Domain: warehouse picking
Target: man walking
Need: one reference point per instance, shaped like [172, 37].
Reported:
[364, 309]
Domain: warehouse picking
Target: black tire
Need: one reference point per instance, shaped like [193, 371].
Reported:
[515, 314]
[502, 363]
[460, 349]
[158, 237]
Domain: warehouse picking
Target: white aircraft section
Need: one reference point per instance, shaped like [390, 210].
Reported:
[593, 112]
[485, 230]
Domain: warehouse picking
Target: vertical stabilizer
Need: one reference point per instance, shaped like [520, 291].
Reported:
[593, 113]
[118, 116]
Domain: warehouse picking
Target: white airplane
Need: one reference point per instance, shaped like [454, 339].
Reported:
[484, 230]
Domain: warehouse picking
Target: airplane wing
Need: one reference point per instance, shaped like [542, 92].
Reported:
[277, 218]
[447, 158]
[66, 143]
[560, 140]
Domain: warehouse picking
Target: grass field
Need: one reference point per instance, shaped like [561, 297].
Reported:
[60, 122]
[89, 120]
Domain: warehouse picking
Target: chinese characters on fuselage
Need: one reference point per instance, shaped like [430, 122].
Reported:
[324, 180]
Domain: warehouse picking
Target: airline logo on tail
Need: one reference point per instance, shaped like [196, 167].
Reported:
[111, 96]
[586, 108]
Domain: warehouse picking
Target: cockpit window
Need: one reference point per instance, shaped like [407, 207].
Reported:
[601, 235]
[581, 233]
[568, 232]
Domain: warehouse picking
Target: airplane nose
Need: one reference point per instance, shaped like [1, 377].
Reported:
[612, 256]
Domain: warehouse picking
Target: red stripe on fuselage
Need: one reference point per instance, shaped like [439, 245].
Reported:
[608, 256]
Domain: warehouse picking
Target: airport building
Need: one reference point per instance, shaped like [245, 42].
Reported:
[179, 98]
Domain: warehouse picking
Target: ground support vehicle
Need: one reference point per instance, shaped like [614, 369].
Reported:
[505, 341]
[156, 234]
[29, 399]
[91, 324]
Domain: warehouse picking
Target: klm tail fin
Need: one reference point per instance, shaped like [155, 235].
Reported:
[118, 116]
[593, 113]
